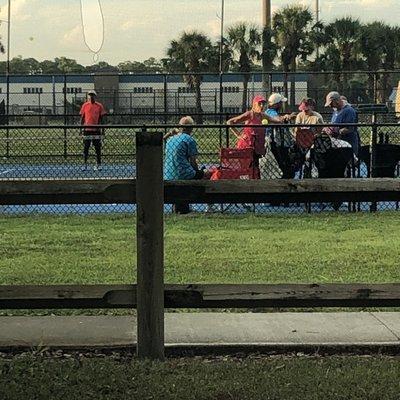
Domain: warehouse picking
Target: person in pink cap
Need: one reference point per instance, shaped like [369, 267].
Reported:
[254, 137]
[305, 135]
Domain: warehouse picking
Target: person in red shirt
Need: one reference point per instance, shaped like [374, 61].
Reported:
[254, 137]
[92, 113]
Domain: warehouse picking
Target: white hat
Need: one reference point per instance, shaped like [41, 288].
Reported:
[276, 98]
[91, 91]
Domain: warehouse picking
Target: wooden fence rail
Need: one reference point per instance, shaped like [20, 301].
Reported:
[111, 191]
[203, 296]
[149, 192]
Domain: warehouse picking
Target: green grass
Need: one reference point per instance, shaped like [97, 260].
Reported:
[119, 145]
[203, 249]
[332, 378]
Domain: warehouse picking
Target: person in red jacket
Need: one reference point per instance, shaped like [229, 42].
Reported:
[92, 113]
[254, 137]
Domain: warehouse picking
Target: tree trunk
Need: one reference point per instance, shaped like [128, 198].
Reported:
[246, 78]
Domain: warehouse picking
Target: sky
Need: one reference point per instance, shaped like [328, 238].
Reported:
[139, 29]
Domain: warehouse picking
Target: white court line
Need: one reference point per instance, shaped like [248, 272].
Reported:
[7, 171]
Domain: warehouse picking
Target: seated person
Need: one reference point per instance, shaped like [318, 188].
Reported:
[180, 158]
[305, 135]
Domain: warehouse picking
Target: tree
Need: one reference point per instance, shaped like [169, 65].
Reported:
[68, 65]
[292, 27]
[49, 67]
[101, 66]
[149, 65]
[192, 55]
[245, 42]
[342, 51]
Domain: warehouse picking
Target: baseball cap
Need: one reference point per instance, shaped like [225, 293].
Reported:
[91, 91]
[259, 99]
[276, 98]
[331, 96]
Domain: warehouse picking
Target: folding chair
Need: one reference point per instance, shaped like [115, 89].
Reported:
[236, 164]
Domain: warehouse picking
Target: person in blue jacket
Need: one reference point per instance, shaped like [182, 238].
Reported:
[344, 113]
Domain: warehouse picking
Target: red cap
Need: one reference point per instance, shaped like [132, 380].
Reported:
[259, 99]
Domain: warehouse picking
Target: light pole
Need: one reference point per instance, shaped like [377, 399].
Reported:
[266, 39]
[317, 20]
[221, 63]
[221, 45]
[8, 77]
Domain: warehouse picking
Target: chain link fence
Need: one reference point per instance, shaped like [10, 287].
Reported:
[57, 152]
[140, 98]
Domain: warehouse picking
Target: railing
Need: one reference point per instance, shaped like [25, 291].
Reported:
[161, 92]
[150, 295]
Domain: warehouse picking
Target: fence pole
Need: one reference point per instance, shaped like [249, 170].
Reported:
[150, 245]
[165, 97]
[375, 89]
[8, 109]
[372, 166]
[65, 116]
[221, 106]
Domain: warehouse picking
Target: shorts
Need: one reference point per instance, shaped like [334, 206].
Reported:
[91, 135]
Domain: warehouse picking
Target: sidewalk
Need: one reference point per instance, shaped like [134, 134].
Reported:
[278, 331]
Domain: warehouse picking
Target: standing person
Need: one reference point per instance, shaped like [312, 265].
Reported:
[254, 137]
[345, 113]
[305, 135]
[181, 158]
[280, 138]
[92, 113]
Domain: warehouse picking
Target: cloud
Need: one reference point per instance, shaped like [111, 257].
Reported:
[20, 10]
[74, 36]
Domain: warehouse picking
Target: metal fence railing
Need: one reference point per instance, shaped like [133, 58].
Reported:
[152, 94]
[56, 152]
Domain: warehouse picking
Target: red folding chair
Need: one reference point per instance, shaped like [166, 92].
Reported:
[236, 164]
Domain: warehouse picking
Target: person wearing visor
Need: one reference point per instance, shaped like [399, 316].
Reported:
[254, 137]
[280, 138]
[305, 135]
[344, 113]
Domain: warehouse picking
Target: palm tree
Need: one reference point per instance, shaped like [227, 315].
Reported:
[244, 41]
[342, 48]
[373, 49]
[191, 54]
[292, 27]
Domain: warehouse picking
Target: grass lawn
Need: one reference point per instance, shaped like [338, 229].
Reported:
[280, 378]
[204, 249]
[118, 147]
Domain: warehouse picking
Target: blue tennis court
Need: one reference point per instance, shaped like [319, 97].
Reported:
[123, 171]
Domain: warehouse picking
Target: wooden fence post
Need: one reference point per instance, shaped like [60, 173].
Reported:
[150, 245]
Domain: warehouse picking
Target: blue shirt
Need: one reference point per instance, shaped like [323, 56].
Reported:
[178, 149]
[281, 136]
[348, 115]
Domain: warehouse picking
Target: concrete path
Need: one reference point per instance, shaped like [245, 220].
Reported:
[197, 330]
